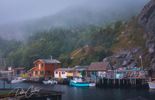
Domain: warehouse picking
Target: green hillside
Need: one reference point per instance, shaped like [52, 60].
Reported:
[76, 46]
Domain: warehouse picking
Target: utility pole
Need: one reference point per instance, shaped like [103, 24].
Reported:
[141, 61]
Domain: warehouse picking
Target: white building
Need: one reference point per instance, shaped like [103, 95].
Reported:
[63, 73]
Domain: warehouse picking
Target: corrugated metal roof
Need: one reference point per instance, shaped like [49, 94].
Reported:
[80, 68]
[98, 66]
[49, 61]
[64, 69]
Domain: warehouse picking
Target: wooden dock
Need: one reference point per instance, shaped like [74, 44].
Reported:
[122, 83]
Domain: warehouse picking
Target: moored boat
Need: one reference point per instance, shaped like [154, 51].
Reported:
[151, 85]
[78, 82]
[17, 80]
[50, 82]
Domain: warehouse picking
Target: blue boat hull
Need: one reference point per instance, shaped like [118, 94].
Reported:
[79, 84]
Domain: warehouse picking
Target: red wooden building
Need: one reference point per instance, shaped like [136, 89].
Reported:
[44, 68]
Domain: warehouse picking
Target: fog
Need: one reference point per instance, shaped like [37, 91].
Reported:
[13, 12]
[19, 10]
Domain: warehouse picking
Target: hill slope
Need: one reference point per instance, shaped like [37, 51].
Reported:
[83, 44]
[147, 21]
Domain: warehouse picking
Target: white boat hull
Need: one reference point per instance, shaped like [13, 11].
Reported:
[151, 85]
[17, 81]
[45, 82]
[50, 82]
[92, 84]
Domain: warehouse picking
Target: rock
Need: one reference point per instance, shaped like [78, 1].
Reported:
[147, 20]
[153, 63]
[124, 58]
[133, 64]
[124, 63]
[147, 17]
[135, 50]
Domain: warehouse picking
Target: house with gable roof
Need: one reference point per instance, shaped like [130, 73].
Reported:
[44, 68]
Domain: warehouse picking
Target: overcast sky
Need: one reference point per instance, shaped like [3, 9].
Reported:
[18, 10]
[12, 10]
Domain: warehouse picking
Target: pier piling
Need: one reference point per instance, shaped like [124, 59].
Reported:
[121, 83]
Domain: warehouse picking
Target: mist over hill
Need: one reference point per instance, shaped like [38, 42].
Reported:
[81, 13]
[76, 33]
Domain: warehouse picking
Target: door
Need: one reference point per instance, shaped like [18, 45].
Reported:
[59, 74]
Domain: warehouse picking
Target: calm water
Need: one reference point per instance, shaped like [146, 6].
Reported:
[93, 93]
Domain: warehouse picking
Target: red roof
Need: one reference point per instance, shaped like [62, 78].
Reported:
[98, 66]
[34, 69]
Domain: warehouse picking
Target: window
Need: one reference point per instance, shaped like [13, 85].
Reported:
[36, 72]
[47, 72]
[40, 66]
[63, 72]
[42, 72]
[56, 72]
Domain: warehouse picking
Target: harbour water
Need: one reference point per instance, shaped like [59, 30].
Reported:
[92, 93]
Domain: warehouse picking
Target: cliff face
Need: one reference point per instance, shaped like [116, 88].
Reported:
[147, 21]
[147, 17]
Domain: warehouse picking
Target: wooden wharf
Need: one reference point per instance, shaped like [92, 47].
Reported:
[121, 83]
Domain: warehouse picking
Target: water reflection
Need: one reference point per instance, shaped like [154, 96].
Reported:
[93, 93]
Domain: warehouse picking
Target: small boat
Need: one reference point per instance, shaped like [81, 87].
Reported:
[78, 82]
[17, 80]
[50, 82]
[151, 85]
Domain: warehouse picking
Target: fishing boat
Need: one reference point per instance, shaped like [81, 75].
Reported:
[17, 80]
[78, 82]
[151, 85]
[50, 82]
